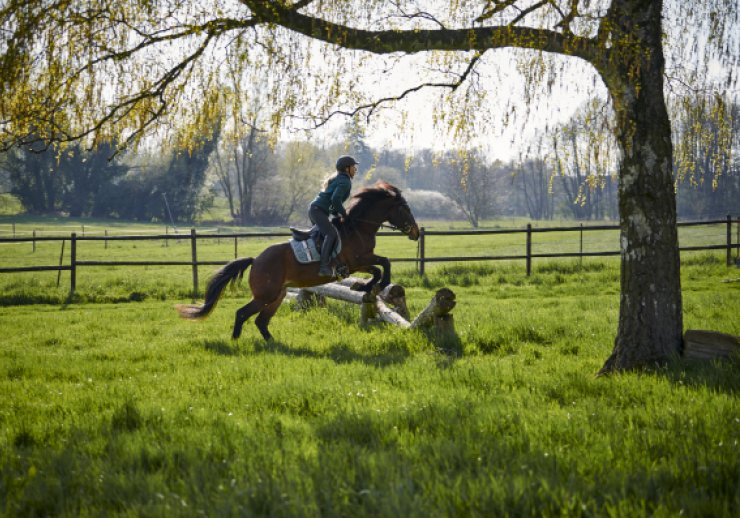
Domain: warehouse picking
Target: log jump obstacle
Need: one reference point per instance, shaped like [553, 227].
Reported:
[388, 305]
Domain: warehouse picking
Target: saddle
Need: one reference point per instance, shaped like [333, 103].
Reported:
[307, 244]
[304, 234]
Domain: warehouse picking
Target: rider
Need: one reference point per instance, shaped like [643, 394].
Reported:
[335, 191]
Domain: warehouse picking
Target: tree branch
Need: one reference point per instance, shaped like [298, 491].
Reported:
[420, 40]
[371, 107]
[524, 12]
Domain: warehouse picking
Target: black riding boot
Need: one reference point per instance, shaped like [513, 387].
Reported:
[326, 249]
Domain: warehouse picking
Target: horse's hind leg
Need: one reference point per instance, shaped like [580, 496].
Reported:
[243, 314]
[266, 314]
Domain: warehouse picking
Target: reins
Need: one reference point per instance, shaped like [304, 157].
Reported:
[382, 225]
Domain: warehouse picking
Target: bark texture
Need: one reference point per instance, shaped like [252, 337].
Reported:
[650, 314]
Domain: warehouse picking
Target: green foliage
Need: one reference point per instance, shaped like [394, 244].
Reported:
[89, 183]
[56, 179]
[10, 205]
[123, 408]
[706, 172]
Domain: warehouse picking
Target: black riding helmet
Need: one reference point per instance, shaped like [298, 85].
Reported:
[343, 162]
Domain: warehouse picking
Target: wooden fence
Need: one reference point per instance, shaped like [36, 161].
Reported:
[421, 260]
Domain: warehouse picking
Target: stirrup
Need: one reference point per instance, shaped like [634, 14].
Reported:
[326, 271]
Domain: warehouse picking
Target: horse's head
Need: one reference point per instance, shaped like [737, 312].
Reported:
[400, 216]
[383, 202]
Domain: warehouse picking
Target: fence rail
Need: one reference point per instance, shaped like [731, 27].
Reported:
[421, 260]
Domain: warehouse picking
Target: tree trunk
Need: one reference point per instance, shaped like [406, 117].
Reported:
[650, 318]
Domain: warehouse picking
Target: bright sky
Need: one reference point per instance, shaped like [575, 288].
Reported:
[502, 137]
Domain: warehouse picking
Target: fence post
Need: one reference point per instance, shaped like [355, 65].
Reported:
[106, 239]
[422, 234]
[235, 252]
[13, 230]
[73, 264]
[34, 240]
[193, 247]
[529, 249]
[580, 257]
[61, 260]
[729, 240]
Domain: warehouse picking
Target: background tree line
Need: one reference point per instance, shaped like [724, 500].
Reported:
[568, 172]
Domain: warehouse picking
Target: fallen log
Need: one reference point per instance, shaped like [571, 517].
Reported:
[435, 318]
[392, 317]
[392, 294]
[339, 292]
[440, 305]
[710, 345]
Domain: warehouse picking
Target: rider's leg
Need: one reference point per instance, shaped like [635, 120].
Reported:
[321, 219]
[326, 249]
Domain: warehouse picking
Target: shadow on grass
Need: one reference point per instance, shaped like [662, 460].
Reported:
[222, 347]
[715, 375]
[339, 353]
[27, 299]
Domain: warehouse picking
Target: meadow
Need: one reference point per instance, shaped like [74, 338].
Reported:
[110, 404]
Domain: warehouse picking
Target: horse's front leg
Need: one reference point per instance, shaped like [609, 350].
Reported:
[369, 285]
[385, 280]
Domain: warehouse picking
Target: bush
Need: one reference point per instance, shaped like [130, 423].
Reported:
[432, 204]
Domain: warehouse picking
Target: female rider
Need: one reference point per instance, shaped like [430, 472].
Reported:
[335, 191]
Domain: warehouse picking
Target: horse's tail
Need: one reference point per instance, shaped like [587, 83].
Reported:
[229, 273]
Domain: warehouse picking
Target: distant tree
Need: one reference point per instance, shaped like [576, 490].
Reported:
[87, 174]
[470, 184]
[31, 171]
[533, 177]
[177, 177]
[585, 162]
[300, 170]
[183, 181]
[386, 173]
[71, 180]
[243, 158]
[357, 143]
[706, 170]
[426, 171]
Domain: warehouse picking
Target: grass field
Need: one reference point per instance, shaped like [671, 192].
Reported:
[116, 406]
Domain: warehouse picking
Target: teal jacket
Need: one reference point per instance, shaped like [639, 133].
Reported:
[336, 193]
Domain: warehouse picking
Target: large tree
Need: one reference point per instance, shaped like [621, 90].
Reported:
[102, 68]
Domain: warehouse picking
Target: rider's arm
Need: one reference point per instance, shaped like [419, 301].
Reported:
[341, 193]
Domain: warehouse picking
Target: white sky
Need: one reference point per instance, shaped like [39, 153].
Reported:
[503, 138]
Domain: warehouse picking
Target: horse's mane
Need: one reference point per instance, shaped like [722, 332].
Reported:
[369, 196]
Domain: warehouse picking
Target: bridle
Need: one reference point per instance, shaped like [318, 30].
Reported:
[405, 228]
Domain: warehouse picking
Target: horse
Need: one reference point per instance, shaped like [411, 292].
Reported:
[276, 268]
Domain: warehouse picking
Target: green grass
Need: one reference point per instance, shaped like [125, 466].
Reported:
[116, 406]
[111, 284]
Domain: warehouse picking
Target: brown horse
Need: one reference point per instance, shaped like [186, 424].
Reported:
[276, 268]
